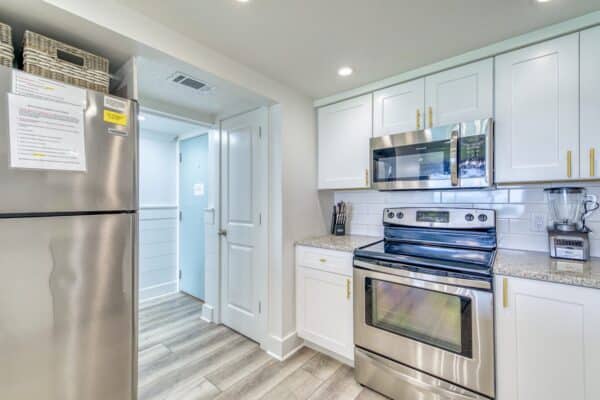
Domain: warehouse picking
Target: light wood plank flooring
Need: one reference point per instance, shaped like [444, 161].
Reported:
[182, 357]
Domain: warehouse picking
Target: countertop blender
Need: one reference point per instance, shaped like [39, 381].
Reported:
[568, 234]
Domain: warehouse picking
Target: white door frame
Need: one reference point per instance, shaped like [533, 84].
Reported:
[263, 277]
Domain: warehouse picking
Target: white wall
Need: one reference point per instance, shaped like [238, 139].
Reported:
[516, 209]
[158, 169]
[301, 214]
[158, 215]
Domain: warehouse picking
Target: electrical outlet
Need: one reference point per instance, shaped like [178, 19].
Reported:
[537, 223]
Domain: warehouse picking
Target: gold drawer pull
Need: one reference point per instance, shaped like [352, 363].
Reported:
[323, 260]
[592, 162]
[430, 116]
[367, 177]
[569, 164]
[505, 292]
[418, 119]
[348, 288]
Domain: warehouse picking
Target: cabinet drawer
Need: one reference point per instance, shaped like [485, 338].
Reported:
[338, 262]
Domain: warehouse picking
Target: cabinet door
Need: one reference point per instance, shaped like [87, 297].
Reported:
[537, 112]
[324, 310]
[590, 103]
[460, 94]
[546, 341]
[344, 132]
[399, 108]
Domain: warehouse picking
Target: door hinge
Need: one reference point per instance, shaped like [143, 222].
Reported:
[180, 157]
[179, 274]
[260, 307]
[260, 218]
[180, 215]
[260, 132]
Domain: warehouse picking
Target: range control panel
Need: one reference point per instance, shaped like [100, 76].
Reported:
[448, 218]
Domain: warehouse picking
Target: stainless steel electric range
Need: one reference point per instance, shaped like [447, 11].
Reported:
[423, 311]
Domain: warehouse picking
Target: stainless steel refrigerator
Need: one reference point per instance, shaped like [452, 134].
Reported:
[68, 266]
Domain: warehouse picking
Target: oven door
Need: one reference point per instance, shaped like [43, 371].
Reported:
[442, 329]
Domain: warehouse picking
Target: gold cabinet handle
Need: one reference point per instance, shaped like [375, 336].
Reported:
[430, 116]
[592, 162]
[348, 293]
[505, 292]
[323, 260]
[418, 119]
[569, 164]
[367, 177]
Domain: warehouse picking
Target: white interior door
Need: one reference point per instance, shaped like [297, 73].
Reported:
[244, 187]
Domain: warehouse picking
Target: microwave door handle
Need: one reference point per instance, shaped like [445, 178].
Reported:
[454, 158]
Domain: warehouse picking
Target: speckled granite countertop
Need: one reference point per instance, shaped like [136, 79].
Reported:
[539, 266]
[515, 263]
[340, 243]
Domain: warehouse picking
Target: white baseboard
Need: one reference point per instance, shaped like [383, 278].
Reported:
[331, 354]
[207, 313]
[283, 348]
[152, 292]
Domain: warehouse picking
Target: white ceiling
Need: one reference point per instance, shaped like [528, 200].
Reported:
[303, 42]
[225, 98]
[154, 67]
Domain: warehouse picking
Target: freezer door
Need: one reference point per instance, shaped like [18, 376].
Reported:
[108, 184]
[66, 307]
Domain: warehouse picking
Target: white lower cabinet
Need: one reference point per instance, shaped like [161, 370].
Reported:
[324, 304]
[547, 341]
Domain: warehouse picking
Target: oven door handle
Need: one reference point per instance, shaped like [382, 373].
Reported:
[469, 283]
[454, 158]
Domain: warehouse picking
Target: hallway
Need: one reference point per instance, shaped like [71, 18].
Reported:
[185, 358]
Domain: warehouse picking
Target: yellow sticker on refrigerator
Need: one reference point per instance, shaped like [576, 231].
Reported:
[116, 118]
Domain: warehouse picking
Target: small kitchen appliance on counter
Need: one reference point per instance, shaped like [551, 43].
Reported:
[424, 307]
[568, 234]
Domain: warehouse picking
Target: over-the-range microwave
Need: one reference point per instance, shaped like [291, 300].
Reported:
[451, 156]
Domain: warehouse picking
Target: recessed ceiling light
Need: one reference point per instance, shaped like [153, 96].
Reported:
[345, 71]
[141, 118]
[543, 1]
[243, 1]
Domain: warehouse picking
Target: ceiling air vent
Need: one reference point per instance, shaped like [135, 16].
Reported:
[187, 81]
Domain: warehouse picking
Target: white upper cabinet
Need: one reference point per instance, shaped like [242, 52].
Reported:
[537, 112]
[547, 345]
[460, 94]
[590, 103]
[399, 108]
[344, 132]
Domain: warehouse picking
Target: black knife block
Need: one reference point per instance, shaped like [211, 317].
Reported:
[339, 230]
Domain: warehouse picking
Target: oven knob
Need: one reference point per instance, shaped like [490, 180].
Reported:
[390, 214]
[399, 215]
[469, 217]
[482, 217]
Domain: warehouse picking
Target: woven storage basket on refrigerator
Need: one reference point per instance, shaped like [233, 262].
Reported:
[7, 53]
[55, 60]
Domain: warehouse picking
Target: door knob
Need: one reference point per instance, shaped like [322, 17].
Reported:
[222, 232]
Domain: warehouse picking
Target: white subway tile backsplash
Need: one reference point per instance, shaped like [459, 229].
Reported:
[473, 196]
[517, 210]
[523, 242]
[527, 196]
[412, 197]
[502, 225]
